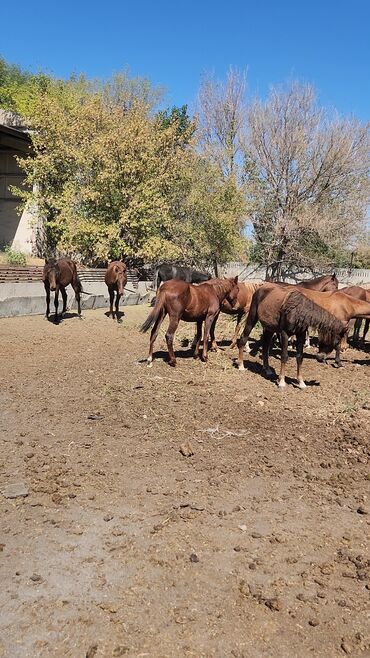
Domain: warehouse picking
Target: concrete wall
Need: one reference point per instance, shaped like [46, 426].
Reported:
[28, 298]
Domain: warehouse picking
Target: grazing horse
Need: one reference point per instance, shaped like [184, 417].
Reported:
[58, 274]
[324, 283]
[115, 279]
[344, 307]
[287, 311]
[358, 293]
[167, 271]
[184, 301]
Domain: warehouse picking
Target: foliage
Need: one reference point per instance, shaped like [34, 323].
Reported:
[15, 257]
[113, 179]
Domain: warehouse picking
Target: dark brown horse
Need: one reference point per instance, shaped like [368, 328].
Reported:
[287, 311]
[116, 279]
[57, 275]
[184, 301]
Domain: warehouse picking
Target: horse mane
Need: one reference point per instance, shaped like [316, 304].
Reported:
[300, 312]
[307, 283]
[219, 285]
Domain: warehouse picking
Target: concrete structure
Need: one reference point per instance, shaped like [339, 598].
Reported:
[14, 231]
[28, 298]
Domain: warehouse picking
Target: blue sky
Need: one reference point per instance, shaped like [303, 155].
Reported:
[326, 43]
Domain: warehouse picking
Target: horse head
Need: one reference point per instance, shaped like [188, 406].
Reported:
[52, 273]
[232, 294]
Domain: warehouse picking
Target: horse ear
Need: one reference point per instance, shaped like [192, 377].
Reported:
[334, 276]
[236, 280]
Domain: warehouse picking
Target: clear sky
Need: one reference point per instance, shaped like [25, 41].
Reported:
[173, 43]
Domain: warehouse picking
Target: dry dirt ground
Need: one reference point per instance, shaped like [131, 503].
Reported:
[255, 546]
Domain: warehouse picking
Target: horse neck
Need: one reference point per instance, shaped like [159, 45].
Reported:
[221, 288]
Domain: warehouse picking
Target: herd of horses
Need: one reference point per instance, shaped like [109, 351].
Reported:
[186, 294]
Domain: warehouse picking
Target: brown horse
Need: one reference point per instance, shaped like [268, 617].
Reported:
[184, 301]
[358, 293]
[58, 274]
[344, 307]
[287, 311]
[325, 283]
[241, 308]
[116, 279]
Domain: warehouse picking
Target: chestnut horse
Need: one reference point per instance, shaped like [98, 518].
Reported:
[287, 311]
[115, 279]
[58, 274]
[325, 283]
[184, 301]
[241, 308]
[344, 307]
[358, 293]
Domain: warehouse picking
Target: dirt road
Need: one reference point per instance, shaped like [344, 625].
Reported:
[255, 546]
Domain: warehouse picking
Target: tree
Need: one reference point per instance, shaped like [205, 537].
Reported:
[222, 120]
[114, 179]
[307, 179]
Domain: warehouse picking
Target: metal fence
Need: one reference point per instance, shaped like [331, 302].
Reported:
[253, 272]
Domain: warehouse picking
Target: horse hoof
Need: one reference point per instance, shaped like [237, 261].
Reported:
[282, 384]
[302, 385]
[337, 365]
[241, 366]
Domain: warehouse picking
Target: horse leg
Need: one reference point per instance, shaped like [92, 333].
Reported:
[153, 336]
[356, 332]
[284, 338]
[306, 340]
[78, 300]
[337, 362]
[173, 324]
[239, 319]
[64, 296]
[250, 323]
[300, 343]
[344, 342]
[214, 345]
[118, 297]
[111, 300]
[47, 291]
[366, 329]
[198, 339]
[210, 319]
[266, 342]
[56, 302]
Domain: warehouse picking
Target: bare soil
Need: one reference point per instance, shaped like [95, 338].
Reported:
[256, 545]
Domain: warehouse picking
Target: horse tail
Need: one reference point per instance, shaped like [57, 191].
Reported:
[155, 313]
[79, 285]
[299, 313]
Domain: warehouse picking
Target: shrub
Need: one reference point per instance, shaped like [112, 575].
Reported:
[15, 257]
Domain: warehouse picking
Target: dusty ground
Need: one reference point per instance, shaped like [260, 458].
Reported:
[255, 546]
